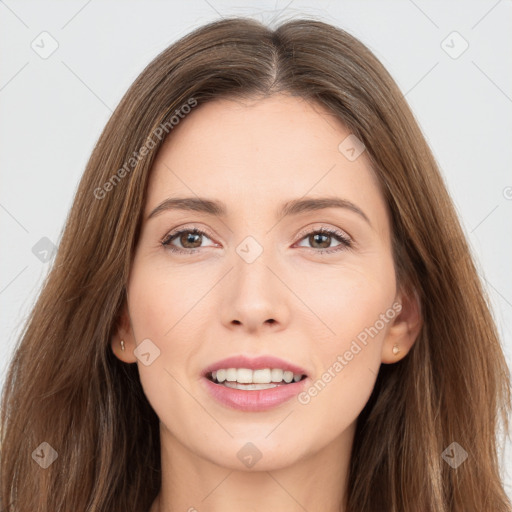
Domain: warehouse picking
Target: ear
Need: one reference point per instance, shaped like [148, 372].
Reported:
[405, 327]
[124, 332]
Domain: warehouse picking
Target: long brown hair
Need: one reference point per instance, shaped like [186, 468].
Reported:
[65, 387]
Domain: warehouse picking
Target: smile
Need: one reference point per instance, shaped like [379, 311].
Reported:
[243, 389]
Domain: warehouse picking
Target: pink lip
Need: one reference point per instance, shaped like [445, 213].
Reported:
[256, 363]
[256, 399]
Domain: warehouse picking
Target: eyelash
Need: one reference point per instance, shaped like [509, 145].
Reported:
[345, 242]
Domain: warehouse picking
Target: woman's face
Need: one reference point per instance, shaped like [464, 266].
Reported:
[256, 283]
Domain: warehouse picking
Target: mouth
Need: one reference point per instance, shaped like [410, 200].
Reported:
[257, 384]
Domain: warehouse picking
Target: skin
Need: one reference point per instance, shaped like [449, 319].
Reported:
[255, 155]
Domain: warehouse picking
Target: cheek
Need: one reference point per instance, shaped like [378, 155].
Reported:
[158, 306]
[159, 299]
[346, 300]
[353, 304]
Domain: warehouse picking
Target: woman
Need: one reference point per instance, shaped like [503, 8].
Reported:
[262, 298]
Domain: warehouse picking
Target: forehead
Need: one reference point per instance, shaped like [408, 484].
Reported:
[259, 153]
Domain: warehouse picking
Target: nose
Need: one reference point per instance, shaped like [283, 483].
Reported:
[254, 297]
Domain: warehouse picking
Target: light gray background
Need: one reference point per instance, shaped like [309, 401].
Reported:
[54, 108]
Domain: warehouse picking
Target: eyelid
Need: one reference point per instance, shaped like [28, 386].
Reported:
[325, 229]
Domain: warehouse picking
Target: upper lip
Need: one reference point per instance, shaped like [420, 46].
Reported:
[254, 363]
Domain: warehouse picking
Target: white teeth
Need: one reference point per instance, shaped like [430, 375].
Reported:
[244, 376]
[248, 376]
[231, 374]
[288, 376]
[261, 376]
[277, 375]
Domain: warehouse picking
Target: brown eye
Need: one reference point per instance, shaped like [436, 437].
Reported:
[321, 240]
[189, 240]
[186, 238]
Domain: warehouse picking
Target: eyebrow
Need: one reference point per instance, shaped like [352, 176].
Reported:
[290, 208]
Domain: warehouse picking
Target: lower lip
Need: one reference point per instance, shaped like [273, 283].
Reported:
[255, 399]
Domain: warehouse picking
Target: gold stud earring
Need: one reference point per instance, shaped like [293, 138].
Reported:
[122, 344]
[396, 349]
